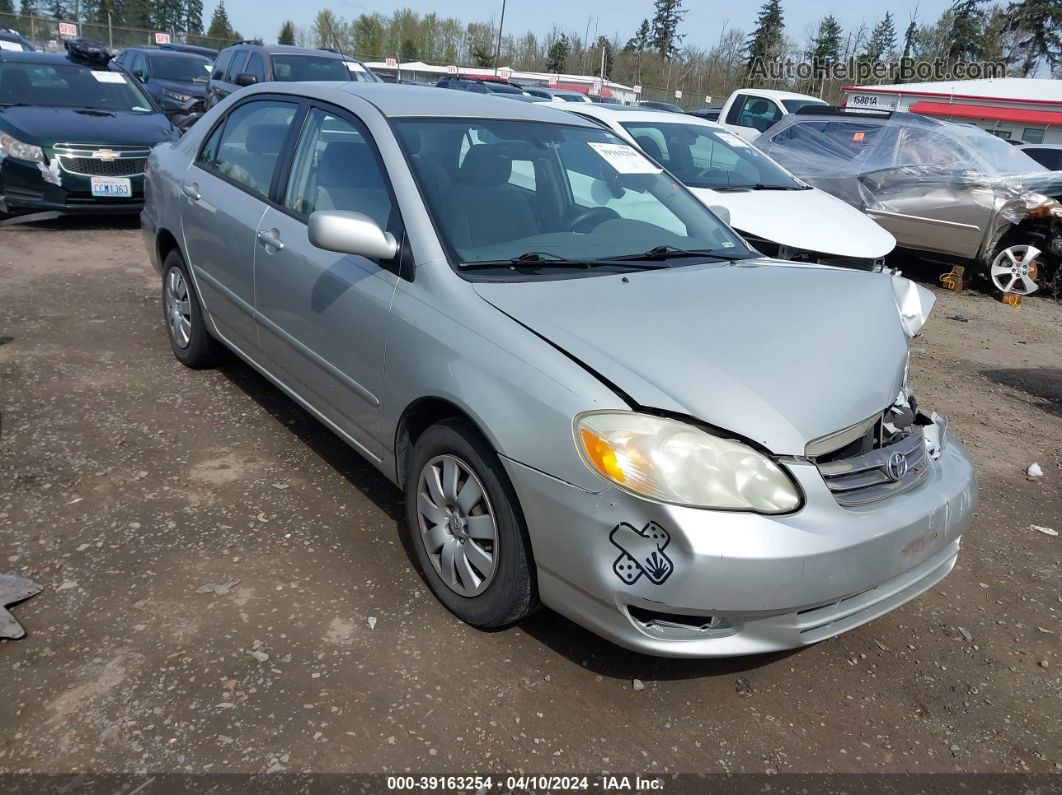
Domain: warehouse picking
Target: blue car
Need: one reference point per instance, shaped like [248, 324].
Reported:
[177, 80]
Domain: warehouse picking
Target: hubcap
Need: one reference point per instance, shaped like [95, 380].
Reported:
[178, 308]
[1014, 270]
[457, 525]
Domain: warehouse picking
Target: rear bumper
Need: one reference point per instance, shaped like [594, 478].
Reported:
[28, 187]
[742, 583]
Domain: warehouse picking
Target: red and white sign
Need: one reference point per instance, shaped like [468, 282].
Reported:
[67, 29]
[553, 80]
[505, 73]
[708, 99]
[637, 89]
[451, 69]
[595, 89]
[678, 94]
[391, 63]
[162, 38]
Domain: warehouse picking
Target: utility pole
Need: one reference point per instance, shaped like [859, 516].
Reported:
[110, 33]
[497, 49]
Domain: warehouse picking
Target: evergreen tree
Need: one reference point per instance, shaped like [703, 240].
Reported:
[965, 41]
[603, 45]
[642, 38]
[193, 16]
[826, 46]
[58, 9]
[558, 54]
[136, 14]
[882, 43]
[287, 33]
[666, 19]
[909, 37]
[767, 39]
[1041, 21]
[220, 27]
[6, 7]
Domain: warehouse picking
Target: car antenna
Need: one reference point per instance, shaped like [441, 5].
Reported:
[335, 39]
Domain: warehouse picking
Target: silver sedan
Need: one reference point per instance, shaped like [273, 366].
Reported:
[594, 395]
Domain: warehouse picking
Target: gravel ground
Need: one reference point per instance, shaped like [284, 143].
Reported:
[128, 483]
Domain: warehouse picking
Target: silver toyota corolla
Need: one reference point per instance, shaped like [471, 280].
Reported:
[593, 393]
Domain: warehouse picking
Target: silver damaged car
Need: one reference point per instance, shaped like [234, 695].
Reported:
[594, 395]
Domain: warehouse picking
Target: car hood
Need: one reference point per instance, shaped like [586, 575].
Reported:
[47, 126]
[1048, 183]
[779, 353]
[191, 89]
[810, 220]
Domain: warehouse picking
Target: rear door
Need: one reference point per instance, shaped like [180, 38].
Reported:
[215, 88]
[322, 316]
[224, 198]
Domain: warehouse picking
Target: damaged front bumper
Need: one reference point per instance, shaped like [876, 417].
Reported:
[28, 187]
[726, 583]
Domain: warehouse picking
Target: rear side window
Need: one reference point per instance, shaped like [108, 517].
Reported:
[296, 68]
[250, 144]
[221, 64]
[758, 113]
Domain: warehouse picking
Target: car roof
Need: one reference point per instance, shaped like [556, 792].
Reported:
[1040, 146]
[774, 93]
[153, 50]
[36, 56]
[395, 101]
[288, 49]
[641, 114]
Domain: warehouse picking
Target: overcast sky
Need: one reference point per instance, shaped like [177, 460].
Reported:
[703, 24]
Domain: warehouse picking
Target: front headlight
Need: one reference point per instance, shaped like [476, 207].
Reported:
[174, 95]
[13, 147]
[675, 462]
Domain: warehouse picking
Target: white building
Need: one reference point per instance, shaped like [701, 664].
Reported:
[587, 84]
[1015, 108]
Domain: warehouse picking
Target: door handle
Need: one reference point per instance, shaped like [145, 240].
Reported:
[191, 191]
[270, 239]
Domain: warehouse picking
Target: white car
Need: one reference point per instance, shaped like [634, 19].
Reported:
[750, 111]
[779, 214]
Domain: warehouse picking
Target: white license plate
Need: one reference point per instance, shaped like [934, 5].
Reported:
[112, 187]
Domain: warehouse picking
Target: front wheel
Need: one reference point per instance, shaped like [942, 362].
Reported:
[467, 530]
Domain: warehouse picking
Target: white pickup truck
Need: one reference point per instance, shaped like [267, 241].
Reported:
[749, 111]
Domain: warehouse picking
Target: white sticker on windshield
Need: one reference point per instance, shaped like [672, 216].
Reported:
[625, 159]
[10, 45]
[734, 140]
[354, 67]
[108, 77]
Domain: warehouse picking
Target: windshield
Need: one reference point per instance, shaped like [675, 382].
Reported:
[69, 86]
[308, 68]
[186, 69]
[704, 157]
[793, 105]
[501, 189]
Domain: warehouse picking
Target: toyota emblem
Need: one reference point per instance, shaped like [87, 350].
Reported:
[896, 467]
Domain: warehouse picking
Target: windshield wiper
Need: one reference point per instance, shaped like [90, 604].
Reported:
[759, 186]
[537, 260]
[671, 252]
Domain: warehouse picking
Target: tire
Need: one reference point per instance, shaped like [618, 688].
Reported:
[189, 338]
[507, 593]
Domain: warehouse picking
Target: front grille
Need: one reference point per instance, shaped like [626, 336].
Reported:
[122, 161]
[94, 167]
[883, 472]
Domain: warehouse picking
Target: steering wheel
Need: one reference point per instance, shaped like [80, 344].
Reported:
[588, 219]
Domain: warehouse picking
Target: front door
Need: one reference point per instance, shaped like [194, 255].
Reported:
[224, 197]
[323, 316]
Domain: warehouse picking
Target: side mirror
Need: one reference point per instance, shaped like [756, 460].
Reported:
[721, 212]
[351, 233]
[245, 79]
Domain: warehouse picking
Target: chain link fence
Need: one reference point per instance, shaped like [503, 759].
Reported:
[45, 34]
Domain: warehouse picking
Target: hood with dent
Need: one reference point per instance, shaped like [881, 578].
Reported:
[775, 352]
[810, 220]
[47, 126]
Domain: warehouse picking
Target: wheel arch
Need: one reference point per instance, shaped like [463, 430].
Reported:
[165, 242]
[420, 415]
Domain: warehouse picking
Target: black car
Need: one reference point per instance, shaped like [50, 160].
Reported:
[708, 114]
[177, 80]
[75, 132]
[670, 107]
[13, 41]
[246, 64]
[206, 52]
[480, 86]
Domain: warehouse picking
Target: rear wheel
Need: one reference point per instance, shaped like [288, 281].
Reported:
[467, 530]
[185, 326]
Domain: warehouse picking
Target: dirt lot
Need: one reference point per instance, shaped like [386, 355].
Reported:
[128, 482]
